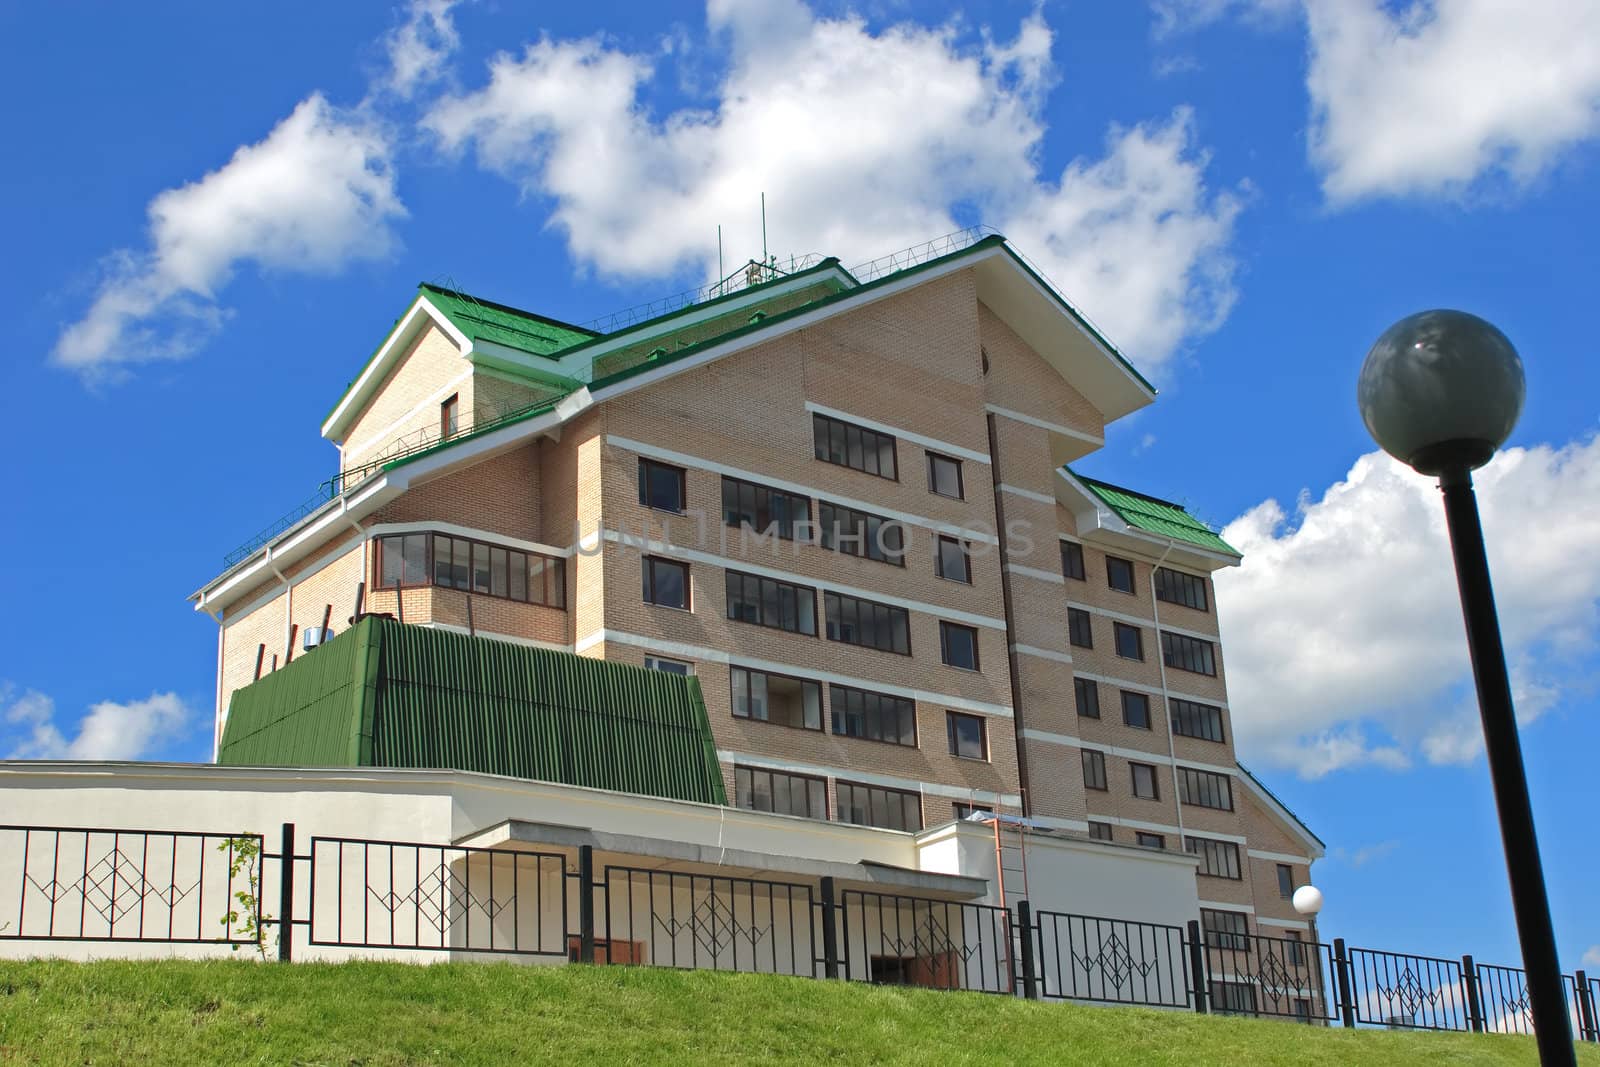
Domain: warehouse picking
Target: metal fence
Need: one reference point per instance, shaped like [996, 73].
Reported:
[416, 899]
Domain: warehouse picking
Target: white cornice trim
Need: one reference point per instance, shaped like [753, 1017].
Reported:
[1042, 653]
[451, 529]
[1291, 924]
[1034, 572]
[900, 432]
[379, 365]
[510, 639]
[1227, 905]
[1028, 494]
[1053, 427]
[889, 781]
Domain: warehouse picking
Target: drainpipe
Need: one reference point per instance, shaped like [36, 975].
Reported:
[1166, 697]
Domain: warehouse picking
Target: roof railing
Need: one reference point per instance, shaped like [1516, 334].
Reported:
[746, 276]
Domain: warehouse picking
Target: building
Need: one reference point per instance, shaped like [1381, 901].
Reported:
[852, 505]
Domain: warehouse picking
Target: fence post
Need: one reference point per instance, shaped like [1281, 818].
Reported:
[830, 931]
[585, 903]
[1588, 1029]
[1469, 978]
[1197, 965]
[1025, 921]
[285, 895]
[1341, 968]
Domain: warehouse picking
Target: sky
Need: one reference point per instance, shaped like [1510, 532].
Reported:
[214, 213]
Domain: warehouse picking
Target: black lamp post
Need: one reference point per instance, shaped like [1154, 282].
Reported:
[1440, 391]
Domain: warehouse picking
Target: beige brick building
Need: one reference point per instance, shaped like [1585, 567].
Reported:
[844, 503]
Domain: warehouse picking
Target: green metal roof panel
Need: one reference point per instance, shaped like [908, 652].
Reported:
[393, 695]
[1153, 515]
[513, 327]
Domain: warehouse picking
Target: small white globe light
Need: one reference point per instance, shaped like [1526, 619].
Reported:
[1441, 390]
[1307, 900]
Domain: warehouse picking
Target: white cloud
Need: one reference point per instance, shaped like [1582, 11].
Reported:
[312, 196]
[1174, 16]
[1366, 854]
[109, 731]
[1591, 958]
[863, 143]
[419, 47]
[1343, 627]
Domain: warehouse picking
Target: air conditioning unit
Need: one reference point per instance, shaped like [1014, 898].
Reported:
[314, 636]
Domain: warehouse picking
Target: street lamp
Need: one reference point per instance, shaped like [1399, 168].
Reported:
[1440, 391]
[1307, 900]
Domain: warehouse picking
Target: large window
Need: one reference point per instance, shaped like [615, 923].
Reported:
[1094, 769]
[771, 603]
[1285, 881]
[1233, 998]
[958, 645]
[866, 622]
[776, 698]
[1204, 789]
[1219, 859]
[1226, 929]
[967, 736]
[1101, 831]
[786, 794]
[944, 475]
[953, 561]
[1130, 641]
[1145, 786]
[763, 509]
[473, 566]
[1086, 693]
[1188, 653]
[661, 486]
[666, 582]
[1192, 719]
[870, 805]
[1135, 710]
[668, 666]
[874, 716]
[1176, 587]
[1079, 629]
[1072, 560]
[854, 446]
[1119, 574]
[1145, 840]
[856, 533]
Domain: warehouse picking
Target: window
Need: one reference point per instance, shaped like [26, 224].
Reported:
[866, 622]
[958, 645]
[1079, 630]
[856, 533]
[1233, 998]
[874, 716]
[1144, 781]
[964, 811]
[473, 566]
[1087, 694]
[953, 562]
[1072, 560]
[776, 698]
[1101, 831]
[661, 486]
[967, 736]
[1176, 587]
[1204, 789]
[771, 603]
[786, 794]
[1302, 1009]
[669, 666]
[1135, 710]
[1285, 881]
[1094, 769]
[1188, 653]
[1226, 929]
[854, 446]
[1296, 950]
[767, 511]
[870, 805]
[1219, 859]
[666, 582]
[1119, 574]
[1130, 641]
[1191, 719]
[450, 416]
[944, 475]
[1144, 840]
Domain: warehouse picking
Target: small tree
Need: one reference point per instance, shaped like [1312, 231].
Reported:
[244, 855]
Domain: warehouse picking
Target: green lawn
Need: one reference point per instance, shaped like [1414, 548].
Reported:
[382, 1013]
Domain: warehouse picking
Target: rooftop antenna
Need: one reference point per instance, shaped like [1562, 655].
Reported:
[763, 229]
[721, 274]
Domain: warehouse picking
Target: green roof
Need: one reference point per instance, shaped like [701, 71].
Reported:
[385, 694]
[484, 320]
[1153, 515]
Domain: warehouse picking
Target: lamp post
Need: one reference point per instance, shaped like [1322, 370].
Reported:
[1440, 391]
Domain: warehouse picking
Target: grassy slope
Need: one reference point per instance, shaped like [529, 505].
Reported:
[378, 1013]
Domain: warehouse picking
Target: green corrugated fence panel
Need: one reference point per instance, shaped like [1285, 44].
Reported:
[304, 714]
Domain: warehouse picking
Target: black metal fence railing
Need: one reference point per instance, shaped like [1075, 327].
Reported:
[1113, 961]
[226, 890]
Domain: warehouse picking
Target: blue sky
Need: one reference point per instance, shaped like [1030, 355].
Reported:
[214, 218]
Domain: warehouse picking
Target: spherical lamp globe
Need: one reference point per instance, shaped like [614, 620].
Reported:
[1441, 390]
[1307, 900]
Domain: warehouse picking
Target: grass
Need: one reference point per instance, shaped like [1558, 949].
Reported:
[384, 1013]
